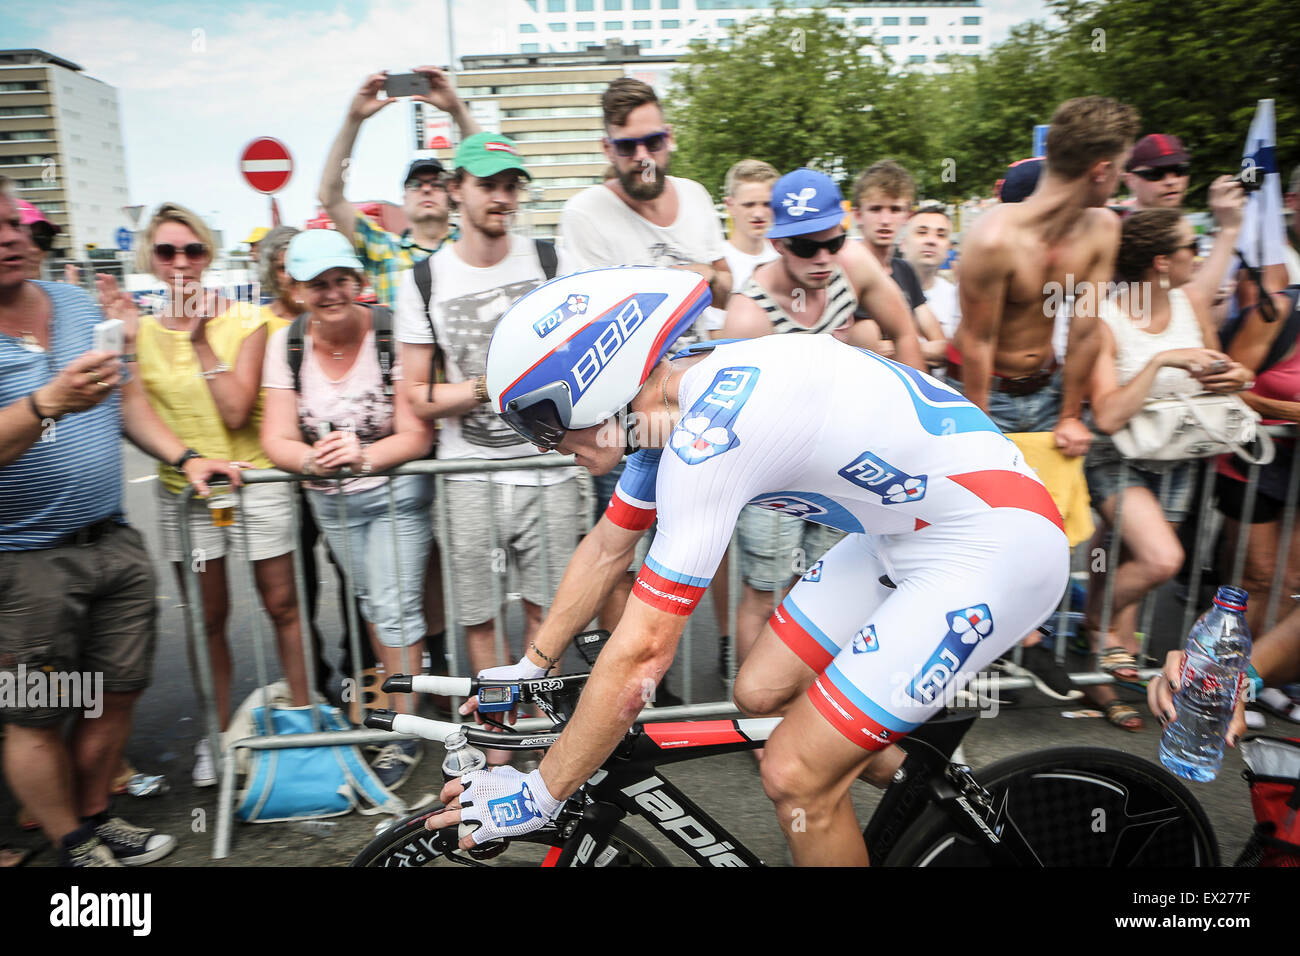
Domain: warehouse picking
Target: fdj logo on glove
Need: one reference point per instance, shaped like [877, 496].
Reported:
[596, 344]
[575, 304]
[706, 430]
[966, 628]
[877, 475]
[513, 810]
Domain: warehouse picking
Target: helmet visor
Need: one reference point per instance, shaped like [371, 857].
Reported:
[540, 415]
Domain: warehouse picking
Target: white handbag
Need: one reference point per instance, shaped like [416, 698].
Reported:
[1193, 426]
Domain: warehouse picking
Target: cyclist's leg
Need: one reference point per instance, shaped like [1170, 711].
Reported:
[791, 649]
[1002, 574]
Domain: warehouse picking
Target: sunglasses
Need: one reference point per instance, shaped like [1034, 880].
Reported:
[1155, 175]
[652, 143]
[415, 185]
[1192, 246]
[166, 252]
[806, 248]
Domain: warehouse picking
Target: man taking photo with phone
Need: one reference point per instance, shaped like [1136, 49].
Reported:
[384, 254]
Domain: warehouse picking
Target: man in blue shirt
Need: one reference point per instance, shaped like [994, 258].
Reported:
[77, 613]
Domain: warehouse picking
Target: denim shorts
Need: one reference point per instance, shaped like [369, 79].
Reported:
[1169, 482]
[1035, 412]
[777, 548]
[388, 579]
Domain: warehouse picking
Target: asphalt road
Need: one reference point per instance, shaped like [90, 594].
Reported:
[168, 723]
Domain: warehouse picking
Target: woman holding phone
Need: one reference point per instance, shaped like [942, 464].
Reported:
[336, 420]
[200, 360]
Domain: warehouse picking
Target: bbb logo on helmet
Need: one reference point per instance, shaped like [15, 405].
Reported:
[598, 343]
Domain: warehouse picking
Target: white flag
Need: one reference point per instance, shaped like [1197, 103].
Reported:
[1263, 236]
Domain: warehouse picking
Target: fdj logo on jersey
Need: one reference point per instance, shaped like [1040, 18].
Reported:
[597, 344]
[966, 628]
[865, 641]
[575, 304]
[895, 487]
[706, 430]
[795, 507]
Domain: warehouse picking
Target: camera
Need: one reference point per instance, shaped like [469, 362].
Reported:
[1251, 178]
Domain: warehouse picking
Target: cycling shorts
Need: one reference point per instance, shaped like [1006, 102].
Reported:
[963, 594]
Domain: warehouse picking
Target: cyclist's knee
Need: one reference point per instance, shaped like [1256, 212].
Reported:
[755, 697]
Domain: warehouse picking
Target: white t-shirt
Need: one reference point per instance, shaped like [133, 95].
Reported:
[742, 267]
[598, 230]
[941, 297]
[467, 302]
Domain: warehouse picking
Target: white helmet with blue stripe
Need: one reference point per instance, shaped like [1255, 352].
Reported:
[576, 350]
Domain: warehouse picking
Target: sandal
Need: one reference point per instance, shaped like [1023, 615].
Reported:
[1114, 660]
[1123, 716]
[1276, 702]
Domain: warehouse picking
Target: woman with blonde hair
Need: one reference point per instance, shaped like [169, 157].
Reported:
[200, 360]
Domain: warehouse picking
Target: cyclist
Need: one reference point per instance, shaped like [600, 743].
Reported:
[954, 547]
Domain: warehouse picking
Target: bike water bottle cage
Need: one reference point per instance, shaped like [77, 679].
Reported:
[496, 700]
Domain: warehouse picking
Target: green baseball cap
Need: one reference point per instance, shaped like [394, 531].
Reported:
[486, 154]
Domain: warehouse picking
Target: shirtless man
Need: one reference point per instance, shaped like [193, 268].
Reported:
[1059, 238]
[809, 288]
[1017, 255]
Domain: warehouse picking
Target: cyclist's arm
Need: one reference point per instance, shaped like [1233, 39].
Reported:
[622, 682]
[599, 561]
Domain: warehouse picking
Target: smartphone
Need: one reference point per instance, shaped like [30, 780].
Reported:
[110, 336]
[1219, 366]
[407, 84]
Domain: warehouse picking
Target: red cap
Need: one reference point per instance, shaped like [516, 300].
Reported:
[1156, 150]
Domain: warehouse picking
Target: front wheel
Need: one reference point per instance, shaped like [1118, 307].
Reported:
[408, 843]
[1075, 806]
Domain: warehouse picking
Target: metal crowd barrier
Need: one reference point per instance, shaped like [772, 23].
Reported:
[439, 470]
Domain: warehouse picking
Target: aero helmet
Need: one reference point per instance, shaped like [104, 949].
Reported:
[576, 350]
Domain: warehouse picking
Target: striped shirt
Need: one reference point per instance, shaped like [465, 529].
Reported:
[386, 255]
[72, 476]
[837, 313]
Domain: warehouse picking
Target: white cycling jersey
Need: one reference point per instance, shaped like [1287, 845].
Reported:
[934, 497]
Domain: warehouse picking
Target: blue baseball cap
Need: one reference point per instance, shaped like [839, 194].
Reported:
[804, 201]
[1021, 179]
[314, 251]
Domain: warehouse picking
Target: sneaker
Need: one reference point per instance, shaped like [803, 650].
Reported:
[89, 852]
[396, 761]
[205, 769]
[133, 845]
[1040, 666]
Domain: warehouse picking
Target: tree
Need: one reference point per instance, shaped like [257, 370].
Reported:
[794, 90]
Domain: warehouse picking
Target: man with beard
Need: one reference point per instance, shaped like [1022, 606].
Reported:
[386, 255]
[474, 279]
[809, 288]
[643, 216]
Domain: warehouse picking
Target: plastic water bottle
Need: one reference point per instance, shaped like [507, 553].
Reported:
[462, 757]
[1217, 652]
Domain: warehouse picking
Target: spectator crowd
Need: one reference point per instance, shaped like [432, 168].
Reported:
[317, 382]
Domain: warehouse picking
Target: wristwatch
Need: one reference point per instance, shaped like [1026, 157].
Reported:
[179, 463]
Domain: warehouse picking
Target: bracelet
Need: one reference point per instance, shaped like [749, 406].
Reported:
[481, 390]
[188, 454]
[366, 466]
[214, 372]
[549, 660]
[308, 466]
[40, 416]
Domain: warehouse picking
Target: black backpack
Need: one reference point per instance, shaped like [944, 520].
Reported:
[382, 320]
[424, 282]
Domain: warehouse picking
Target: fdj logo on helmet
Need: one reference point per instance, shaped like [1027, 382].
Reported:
[575, 304]
[603, 339]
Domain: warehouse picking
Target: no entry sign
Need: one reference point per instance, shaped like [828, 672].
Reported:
[266, 164]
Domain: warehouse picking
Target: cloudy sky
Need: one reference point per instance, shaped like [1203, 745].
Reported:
[196, 82]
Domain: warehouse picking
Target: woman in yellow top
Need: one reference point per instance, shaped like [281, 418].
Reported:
[200, 360]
